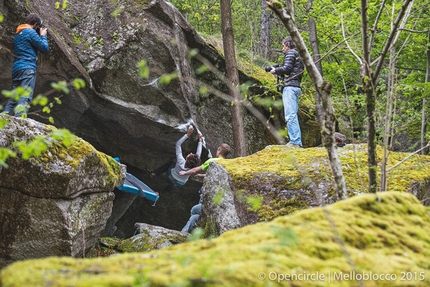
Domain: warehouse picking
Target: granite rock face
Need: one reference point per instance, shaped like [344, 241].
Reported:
[136, 118]
[55, 204]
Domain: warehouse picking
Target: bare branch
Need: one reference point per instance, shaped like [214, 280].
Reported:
[347, 44]
[375, 24]
[390, 38]
[408, 157]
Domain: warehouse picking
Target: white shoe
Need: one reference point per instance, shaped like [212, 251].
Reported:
[293, 145]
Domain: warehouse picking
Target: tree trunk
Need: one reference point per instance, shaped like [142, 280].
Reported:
[388, 115]
[424, 119]
[264, 31]
[366, 78]
[313, 38]
[233, 77]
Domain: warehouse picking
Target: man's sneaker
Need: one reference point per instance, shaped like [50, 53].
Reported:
[293, 145]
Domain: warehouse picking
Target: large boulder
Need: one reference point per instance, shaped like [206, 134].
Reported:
[280, 180]
[371, 240]
[57, 203]
[122, 114]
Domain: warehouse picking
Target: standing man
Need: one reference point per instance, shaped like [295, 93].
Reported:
[291, 72]
[26, 44]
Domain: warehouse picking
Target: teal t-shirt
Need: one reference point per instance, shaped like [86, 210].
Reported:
[205, 165]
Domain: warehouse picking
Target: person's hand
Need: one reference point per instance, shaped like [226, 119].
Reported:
[182, 172]
[190, 130]
[43, 31]
[272, 71]
[200, 137]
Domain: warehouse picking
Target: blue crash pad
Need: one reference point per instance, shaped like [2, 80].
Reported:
[133, 185]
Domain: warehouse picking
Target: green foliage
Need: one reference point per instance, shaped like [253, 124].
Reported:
[34, 148]
[143, 69]
[16, 93]
[37, 146]
[5, 153]
[166, 79]
[63, 5]
[196, 234]
[61, 86]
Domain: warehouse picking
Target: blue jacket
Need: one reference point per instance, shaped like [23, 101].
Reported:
[292, 68]
[26, 44]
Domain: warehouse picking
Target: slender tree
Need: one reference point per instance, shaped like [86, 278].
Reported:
[313, 39]
[369, 79]
[264, 31]
[233, 77]
[423, 117]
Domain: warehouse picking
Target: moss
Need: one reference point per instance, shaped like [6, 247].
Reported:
[344, 237]
[300, 167]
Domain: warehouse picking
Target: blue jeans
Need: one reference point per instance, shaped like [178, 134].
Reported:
[195, 213]
[27, 79]
[290, 98]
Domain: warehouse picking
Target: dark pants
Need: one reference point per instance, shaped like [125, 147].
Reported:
[26, 79]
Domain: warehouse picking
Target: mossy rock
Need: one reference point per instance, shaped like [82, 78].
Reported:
[281, 180]
[382, 238]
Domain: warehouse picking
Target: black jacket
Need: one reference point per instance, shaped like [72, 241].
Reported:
[291, 69]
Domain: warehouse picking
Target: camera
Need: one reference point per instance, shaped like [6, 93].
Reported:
[39, 26]
[269, 68]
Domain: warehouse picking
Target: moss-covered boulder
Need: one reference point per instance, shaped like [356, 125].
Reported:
[56, 203]
[146, 238]
[379, 239]
[280, 180]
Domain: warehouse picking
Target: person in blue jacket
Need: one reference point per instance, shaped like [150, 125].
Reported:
[291, 72]
[26, 44]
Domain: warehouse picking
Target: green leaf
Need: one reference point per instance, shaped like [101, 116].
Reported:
[143, 69]
[196, 234]
[78, 83]
[218, 197]
[5, 153]
[116, 12]
[40, 100]
[63, 135]
[166, 79]
[34, 148]
[193, 53]
[46, 109]
[61, 86]
[3, 122]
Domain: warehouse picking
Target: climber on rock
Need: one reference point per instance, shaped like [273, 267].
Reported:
[182, 164]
